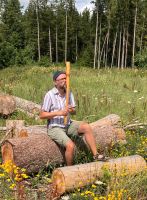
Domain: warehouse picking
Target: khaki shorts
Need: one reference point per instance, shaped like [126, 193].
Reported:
[62, 135]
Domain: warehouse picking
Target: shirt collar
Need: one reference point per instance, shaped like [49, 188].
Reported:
[55, 90]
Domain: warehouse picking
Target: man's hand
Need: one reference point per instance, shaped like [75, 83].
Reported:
[71, 109]
[63, 112]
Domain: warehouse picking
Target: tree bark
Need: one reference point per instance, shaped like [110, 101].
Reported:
[38, 150]
[113, 51]
[77, 176]
[38, 29]
[7, 104]
[119, 51]
[29, 107]
[96, 38]
[134, 36]
[50, 44]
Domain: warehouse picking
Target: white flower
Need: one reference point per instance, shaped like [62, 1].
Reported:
[135, 91]
[141, 98]
[129, 102]
[99, 183]
[65, 197]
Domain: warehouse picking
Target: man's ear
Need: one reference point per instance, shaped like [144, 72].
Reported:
[55, 83]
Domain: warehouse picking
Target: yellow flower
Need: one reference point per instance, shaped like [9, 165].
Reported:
[23, 170]
[2, 175]
[93, 186]
[12, 186]
[24, 176]
[96, 198]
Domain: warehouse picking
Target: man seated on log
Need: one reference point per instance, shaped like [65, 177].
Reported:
[53, 109]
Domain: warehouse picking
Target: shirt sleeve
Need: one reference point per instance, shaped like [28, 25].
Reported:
[71, 100]
[47, 102]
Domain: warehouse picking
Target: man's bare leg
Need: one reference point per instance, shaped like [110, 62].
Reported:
[86, 130]
[69, 153]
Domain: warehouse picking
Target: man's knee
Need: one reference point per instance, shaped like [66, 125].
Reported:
[84, 127]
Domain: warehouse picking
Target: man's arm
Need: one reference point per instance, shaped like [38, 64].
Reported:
[50, 115]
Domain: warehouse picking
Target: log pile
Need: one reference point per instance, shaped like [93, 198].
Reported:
[37, 150]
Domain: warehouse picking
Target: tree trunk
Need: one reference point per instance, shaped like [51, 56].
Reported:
[107, 44]
[29, 107]
[119, 50]
[56, 43]
[114, 45]
[134, 37]
[76, 176]
[38, 150]
[38, 30]
[32, 153]
[123, 50]
[99, 49]
[95, 44]
[126, 49]
[50, 44]
[103, 47]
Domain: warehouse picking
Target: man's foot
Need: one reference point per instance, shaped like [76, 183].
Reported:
[100, 157]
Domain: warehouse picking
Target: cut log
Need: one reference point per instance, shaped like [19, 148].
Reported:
[32, 153]
[76, 176]
[105, 136]
[7, 105]
[14, 128]
[30, 108]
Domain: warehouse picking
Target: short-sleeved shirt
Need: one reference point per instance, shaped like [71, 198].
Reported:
[53, 101]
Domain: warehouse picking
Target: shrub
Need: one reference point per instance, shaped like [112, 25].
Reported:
[44, 61]
[141, 59]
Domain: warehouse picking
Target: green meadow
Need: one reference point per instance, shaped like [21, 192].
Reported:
[97, 93]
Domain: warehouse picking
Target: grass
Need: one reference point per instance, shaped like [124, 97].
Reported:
[97, 94]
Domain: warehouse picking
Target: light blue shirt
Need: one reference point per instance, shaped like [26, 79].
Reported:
[53, 101]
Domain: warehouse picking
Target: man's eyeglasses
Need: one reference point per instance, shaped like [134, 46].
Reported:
[61, 79]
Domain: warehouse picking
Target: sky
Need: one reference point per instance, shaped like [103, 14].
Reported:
[80, 4]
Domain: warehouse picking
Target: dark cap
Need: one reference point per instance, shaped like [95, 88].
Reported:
[56, 74]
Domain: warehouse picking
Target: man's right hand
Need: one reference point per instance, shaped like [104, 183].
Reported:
[63, 112]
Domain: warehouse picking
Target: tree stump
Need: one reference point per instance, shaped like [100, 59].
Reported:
[76, 176]
[7, 105]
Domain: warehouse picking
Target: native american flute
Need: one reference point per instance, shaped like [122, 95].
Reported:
[67, 88]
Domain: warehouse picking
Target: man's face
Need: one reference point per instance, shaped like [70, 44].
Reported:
[60, 82]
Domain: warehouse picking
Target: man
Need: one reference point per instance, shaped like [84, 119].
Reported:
[53, 109]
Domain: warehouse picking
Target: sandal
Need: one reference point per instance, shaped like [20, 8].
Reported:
[100, 157]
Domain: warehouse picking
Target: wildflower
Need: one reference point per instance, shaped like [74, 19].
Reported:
[93, 186]
[99, 183]
[23, 170]
[2, 175]
[95, 198]
[135, 91]
[24, 176]
[12, 186]
[65, 197]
